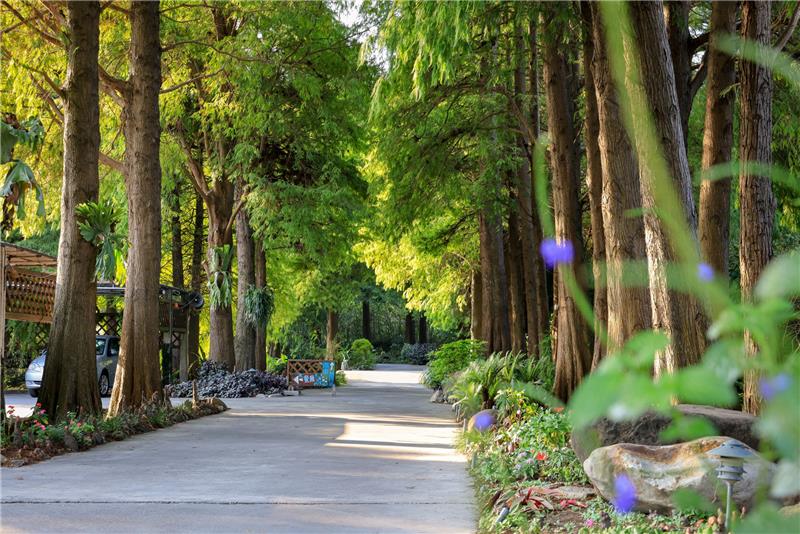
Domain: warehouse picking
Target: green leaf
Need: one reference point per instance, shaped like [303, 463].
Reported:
[766, 519]
[685, 428]
[688, 500]
[786, 482]
[700, 385]
[781, 278]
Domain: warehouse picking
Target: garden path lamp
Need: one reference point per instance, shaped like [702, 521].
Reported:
[731, 456]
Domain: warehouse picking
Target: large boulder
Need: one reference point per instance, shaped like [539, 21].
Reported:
[658, 471]
[646, 429]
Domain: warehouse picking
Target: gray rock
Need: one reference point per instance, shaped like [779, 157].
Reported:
[646, 429]
[70, 442]
[658, 471]
[438, 396]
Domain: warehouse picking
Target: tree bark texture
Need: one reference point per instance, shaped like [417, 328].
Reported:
[220, 208]
[756, 200]
[516, 284]
[138, 374]
[715, 196]
[193, 333]
[535, 289]
[675, 314]
[594, 185]
[261, 282]
[628, 304]
[571, 348]
[496, 321]
[677, 15]
[245, 337]
[330, 334]
[70, 375]
[476, 306]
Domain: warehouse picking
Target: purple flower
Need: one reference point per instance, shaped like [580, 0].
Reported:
[555, 253]
[770, 387]
[705, 272]
[624, 494]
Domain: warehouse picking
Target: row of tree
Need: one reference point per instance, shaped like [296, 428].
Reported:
[460, 114]
[254, 112]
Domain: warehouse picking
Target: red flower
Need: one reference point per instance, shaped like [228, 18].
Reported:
[558, 409]
[38, 404]
[541, 457]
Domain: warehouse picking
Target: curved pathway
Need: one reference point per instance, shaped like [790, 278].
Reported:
[377, 457]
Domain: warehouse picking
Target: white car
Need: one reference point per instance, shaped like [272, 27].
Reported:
[107, 352]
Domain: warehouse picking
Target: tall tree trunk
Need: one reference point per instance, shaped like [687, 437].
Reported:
[495, 285]
[715, 196]
[487, 284]
[677, 20]
[476, 306]
[532, 267]
[366, 321]
[628, 305]
[542, 291]
[410, 332]
[571, 350]
[70, 375]
[245, 338]
[423, 328]
[330, 334]
[193, 327]
[756, 200]
[516, 284]
[261, 283]
[594, 184]
[220, 208]
[675, 314]
[138, 374]
[177, 255]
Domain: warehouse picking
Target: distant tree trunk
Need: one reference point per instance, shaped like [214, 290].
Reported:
[628, 306]
[70, 375]
[330, 334]
[245, 338]
[366, 322]
[138, 373]
[594, 183]
[423, 328]
[476, 306]
[715, 195]
[261, 283]
[495, 285]
[543, 293]
[177, 253]
[193, 328]
[516, 284]
[410, 332]
[677, 15]
[532, 267]
[675, 314]
[756, 200]
[571, 348]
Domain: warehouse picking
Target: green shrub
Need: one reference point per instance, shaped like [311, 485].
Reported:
[361, 355]
[340, 378]
[451, 358]
[277, 366]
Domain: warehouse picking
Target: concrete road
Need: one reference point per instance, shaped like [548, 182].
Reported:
[378, 457]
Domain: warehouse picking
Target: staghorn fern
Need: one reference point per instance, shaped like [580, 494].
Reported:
[97, 223]
[220, 277]
[259, 303]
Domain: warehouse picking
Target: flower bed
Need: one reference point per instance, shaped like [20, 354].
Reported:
[33, 439]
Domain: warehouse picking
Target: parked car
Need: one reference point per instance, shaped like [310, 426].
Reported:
[107, 353]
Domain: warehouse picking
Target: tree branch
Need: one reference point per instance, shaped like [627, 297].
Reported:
[784, 40]
[47, 37]
[191, 80]
[236, 209]
[699, 77]
[112, 163]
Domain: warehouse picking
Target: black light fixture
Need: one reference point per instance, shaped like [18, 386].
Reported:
[731, 456]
